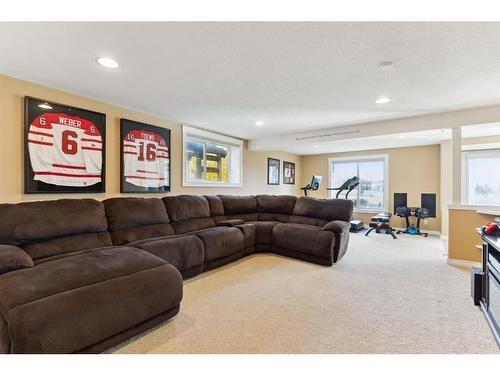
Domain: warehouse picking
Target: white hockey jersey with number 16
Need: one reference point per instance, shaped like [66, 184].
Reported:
[65, 150]
[146, 159]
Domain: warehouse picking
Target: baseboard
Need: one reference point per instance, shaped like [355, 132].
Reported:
[463, 263]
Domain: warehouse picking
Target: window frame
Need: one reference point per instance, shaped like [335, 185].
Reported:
[465, 171]
[358, 159]
[222, 140]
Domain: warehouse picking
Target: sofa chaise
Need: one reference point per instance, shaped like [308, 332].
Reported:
[78, 275]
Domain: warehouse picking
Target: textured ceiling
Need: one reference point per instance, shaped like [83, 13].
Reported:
[292, 76]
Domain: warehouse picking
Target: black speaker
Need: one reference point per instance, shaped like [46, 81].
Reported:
[428, 200]
[476, 287]
[400, 200]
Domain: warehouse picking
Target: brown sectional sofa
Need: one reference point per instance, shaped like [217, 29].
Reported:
[78, 275]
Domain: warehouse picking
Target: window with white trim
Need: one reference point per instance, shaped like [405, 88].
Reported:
[210, 159]
[372, 192]
[481, 177]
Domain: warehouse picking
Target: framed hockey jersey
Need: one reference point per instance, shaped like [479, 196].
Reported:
[64, 148]
[145, 158]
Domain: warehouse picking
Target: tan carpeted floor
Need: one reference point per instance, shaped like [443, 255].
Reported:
[384, 296]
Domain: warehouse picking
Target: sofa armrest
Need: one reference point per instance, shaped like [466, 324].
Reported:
[248, 231]
[13, 258]
[340, 230]
[337, 226]
[230, 223]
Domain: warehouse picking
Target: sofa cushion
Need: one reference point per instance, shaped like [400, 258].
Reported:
[304, 238]
[248, 231]
[132, 219]
[234, 204]
[220, 242]
[282, 218]
[123, 213]
[253, 216]
[71, 303]
[34, 226]
[278, 204]
[186, 207]
[263, 231]
[215, 204]
[184, 252]
[13, 258]
[188, 213]
[306, 220]
[325, 209]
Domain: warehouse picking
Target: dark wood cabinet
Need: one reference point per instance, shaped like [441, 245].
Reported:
[490, 298]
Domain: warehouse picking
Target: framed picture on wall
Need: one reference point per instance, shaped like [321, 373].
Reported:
[64, 149]
[288, 173]
[145, 158]
[273, 171]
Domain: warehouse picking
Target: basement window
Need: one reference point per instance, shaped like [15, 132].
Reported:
[211, 159]
[371, 195]
[482, 177]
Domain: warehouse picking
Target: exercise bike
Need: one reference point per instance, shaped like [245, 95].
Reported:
[313, 186]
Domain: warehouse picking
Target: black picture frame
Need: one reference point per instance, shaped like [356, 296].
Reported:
[133, 179]
[46, 169]
[288, 173]
[273, 171]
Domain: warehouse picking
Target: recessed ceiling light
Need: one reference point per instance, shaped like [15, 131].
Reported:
[316, 146]
[386, 65]
[44, 106]
[383, 100]
[259, 123]
[402, 137]
[108, 62]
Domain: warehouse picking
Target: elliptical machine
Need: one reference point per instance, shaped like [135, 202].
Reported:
[349, 185]
[419, 213]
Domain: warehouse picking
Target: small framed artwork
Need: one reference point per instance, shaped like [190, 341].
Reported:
[145, 158]
[273, 171]
[64, 148]
[288, 173]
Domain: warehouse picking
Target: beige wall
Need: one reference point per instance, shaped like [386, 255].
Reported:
[446, 173]
[446, 181]
[12, 92]
[462, 237]
[412, 170]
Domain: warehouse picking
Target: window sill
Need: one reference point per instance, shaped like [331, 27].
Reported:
[210, 184]
[371, 211]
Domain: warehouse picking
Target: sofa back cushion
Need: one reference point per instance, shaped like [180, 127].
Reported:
[132, 219]
[188, 213]
[48, 228]
[275, 207]
[215, 204]
[235, 204]
[276, 204]
[321, 210]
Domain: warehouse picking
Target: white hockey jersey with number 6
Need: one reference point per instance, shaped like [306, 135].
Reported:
[65, 150]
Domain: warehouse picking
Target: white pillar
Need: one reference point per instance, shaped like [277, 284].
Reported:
[456, 171]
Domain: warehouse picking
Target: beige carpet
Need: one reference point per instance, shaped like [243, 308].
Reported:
[384, 296]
